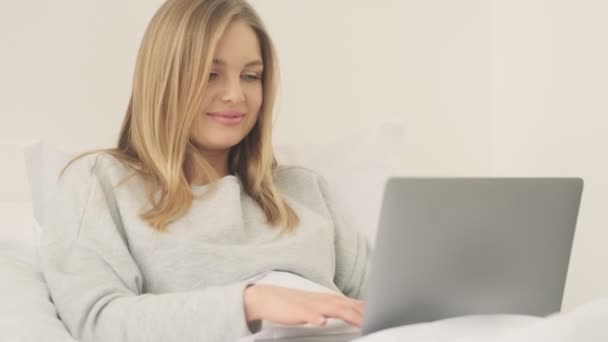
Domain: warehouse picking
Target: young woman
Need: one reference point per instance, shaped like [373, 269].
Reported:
[161, 238]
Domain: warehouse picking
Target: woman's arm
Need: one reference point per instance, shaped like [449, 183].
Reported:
[292, 307]
[353, 251]
[97, 286]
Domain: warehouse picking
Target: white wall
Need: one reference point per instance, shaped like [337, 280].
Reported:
[484, 87]
[348, 63]
[550, 114]
[67, 68]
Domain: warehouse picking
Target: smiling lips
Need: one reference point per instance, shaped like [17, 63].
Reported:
[227, 114]
[227, 118]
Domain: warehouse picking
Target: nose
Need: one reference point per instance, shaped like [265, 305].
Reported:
[232, 91]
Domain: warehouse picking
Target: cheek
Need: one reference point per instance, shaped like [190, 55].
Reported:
[195, 130]
[198, 124]
[254, 98]
[206, 100]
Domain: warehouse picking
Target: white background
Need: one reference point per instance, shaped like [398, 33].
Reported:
[498, 87]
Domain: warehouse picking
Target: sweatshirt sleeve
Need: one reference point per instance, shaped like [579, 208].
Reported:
[352, 248]
[96, 284]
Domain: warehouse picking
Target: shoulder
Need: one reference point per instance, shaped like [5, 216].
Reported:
[294, 175]
[90, 167]
[302, 185]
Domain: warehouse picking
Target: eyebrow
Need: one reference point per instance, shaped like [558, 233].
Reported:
[252, 63]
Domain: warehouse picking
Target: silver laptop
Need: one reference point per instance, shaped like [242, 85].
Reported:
[449, 247]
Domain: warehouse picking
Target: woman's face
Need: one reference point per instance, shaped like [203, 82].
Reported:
[233, 97]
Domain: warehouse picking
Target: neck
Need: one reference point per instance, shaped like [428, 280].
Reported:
[218, 161]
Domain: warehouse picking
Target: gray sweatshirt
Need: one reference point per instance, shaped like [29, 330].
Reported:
[114, 278]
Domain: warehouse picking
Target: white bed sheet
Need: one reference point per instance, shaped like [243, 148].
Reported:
[27, 314]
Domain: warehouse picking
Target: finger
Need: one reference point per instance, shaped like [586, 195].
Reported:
[350, 315]
[338, 306]
[361, 306]
[352, 300]
[344, 302]
[304, 315]
[341, 310]
[316, 318]
[311, 316]
[358, 307]
[355, 304]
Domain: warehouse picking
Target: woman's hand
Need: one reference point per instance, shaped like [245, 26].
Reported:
[290, 307]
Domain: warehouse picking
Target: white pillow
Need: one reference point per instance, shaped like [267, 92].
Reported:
[356, 168]
[18, 239]
[43, 163]
[27, 313]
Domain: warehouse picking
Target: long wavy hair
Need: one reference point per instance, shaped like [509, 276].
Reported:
[171, 73]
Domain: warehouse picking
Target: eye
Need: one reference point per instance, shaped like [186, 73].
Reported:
[212, 75]
[251, 77]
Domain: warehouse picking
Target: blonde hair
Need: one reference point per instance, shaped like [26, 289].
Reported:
[171, 73]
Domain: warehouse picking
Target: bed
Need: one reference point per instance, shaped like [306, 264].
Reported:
[28, 314]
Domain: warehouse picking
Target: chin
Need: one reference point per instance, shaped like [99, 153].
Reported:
[217, 140]
[217, 145]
